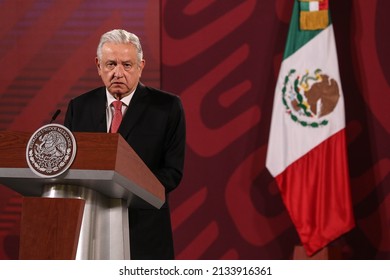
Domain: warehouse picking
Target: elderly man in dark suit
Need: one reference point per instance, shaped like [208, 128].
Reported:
[151, 121]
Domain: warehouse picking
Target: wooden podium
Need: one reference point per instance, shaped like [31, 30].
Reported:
[82, 213]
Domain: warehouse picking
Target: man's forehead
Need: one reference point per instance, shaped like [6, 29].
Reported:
[123, 51]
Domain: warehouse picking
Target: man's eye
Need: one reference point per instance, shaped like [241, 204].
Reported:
[127, 65]
[110, 65]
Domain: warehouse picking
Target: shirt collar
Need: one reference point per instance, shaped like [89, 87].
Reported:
[125, 100]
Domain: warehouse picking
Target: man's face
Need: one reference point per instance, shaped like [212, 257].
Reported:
[119, 68]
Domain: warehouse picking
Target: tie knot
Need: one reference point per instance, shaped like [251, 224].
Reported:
[117, 104]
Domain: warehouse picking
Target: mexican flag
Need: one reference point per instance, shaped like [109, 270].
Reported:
[307, 149]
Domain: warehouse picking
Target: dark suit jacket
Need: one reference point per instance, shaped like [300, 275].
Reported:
[154, 126]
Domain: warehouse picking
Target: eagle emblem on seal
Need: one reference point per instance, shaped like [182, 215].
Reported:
[51, 150]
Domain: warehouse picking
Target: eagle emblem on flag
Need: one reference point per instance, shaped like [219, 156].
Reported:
[308, 98]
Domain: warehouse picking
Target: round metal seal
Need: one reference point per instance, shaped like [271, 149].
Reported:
[51, 150]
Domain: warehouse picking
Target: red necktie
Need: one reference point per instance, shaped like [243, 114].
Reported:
[117, 118]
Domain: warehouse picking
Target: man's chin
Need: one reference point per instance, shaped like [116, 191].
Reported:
[118, 90]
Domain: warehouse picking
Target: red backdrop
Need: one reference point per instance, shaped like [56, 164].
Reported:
[222, 58]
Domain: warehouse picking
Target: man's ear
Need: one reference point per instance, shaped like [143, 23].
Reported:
[141, 66]
[98, 66]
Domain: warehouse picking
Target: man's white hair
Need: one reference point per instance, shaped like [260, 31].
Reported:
[120, 36]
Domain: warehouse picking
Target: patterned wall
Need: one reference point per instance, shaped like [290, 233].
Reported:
[222, 58]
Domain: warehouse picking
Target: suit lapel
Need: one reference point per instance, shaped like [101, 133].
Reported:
[137, 106]
[99, 110]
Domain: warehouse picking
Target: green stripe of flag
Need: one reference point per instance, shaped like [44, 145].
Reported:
[296, 37]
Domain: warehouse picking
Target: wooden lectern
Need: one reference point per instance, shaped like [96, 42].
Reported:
[82, 213]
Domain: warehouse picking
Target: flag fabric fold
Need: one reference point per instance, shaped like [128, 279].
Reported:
[307, 153]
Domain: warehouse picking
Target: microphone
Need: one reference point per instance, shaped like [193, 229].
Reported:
[55, 116]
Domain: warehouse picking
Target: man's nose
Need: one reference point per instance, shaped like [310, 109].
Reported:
[118, 71]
